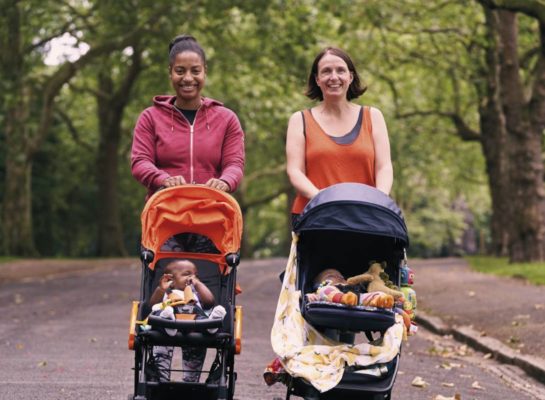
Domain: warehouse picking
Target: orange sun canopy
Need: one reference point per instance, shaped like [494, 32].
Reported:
[196, 209]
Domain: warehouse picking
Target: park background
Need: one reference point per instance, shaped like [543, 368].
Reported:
[460, 83]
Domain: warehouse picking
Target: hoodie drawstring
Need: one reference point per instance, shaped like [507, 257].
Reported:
[172, 119]
[206, 117]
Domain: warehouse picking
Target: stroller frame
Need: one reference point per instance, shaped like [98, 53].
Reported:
[187, 206]
[345, 227]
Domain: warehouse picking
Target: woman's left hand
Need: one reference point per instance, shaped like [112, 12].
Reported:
[218, 184]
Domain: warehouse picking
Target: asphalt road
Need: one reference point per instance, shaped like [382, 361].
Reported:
[65, 337]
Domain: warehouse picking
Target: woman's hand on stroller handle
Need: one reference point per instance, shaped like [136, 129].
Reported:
[176, 180]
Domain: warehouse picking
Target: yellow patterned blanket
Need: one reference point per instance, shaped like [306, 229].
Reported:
[306, 353]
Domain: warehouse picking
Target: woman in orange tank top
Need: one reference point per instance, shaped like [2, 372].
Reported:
[336, 141]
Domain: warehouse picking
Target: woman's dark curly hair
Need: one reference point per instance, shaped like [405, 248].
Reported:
[356, 88]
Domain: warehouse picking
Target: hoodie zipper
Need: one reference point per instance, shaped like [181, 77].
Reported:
[191, 131]
[191, 147]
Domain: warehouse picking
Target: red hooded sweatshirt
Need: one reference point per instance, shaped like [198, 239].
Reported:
[165, 144]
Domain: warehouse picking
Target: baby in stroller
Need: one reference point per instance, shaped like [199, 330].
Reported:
[331, 286]
[181, 293]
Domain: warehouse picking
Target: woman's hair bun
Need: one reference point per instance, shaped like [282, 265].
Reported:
[180, 38]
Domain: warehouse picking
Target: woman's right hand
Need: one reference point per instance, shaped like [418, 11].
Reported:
[171, 181]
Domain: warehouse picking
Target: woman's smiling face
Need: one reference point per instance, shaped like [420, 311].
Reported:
[188, 76]
[333, 76]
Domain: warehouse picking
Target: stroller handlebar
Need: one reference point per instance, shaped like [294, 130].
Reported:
[185, 325]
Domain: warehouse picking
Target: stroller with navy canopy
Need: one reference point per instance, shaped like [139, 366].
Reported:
[204, 226]
[345, 227]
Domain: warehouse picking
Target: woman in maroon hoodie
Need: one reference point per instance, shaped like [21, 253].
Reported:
[187, 138]
[184, 139]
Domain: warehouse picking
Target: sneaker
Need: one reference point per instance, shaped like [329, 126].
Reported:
[275, 372]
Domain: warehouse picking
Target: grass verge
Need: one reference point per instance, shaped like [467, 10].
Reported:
[532, 272]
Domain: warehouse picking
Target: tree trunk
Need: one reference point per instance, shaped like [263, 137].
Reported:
[110, 235]
[525, 122]
[527, 228]
[494, 139]
[111, 104]
[17, 210]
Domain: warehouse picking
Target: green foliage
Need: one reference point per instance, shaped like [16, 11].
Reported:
[532, 272]
[418, 59]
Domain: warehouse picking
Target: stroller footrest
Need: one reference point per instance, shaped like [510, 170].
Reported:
[168, 390]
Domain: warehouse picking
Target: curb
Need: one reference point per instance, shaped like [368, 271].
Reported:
[533, 366]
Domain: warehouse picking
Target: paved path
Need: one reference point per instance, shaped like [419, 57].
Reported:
[63, 336]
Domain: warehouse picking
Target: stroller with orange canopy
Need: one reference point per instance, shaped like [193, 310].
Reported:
[204, 226]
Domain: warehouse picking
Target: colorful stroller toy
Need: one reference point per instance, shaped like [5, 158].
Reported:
[204, 226]
[344, 227]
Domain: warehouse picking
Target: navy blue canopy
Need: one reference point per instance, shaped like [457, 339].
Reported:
[354, 207]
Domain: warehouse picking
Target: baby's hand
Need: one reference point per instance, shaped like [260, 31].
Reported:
[166, 281]
[192, 280]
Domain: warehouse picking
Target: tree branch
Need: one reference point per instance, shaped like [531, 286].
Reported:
[246, 205]
[67, 71]
[462, 128]
[537, 100]
[73, 130]
[532, 8]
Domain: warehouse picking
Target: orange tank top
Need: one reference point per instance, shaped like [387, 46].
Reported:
[328, 162]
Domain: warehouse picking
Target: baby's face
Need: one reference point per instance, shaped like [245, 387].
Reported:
[183, 275]
[331, 275]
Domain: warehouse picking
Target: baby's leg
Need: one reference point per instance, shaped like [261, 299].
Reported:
[217, 312]
[192, 361]
[161, 360]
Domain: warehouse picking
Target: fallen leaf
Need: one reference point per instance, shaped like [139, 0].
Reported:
[19, 346]
[539, 306]
[447, 384]
[475, 385]
[462, 350]
[487, 356]
[93, 340]
[419, 382]
[17, 298]
[42, 363]
[440, 397]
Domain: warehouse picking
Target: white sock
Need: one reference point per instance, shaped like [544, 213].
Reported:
[217, 312]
